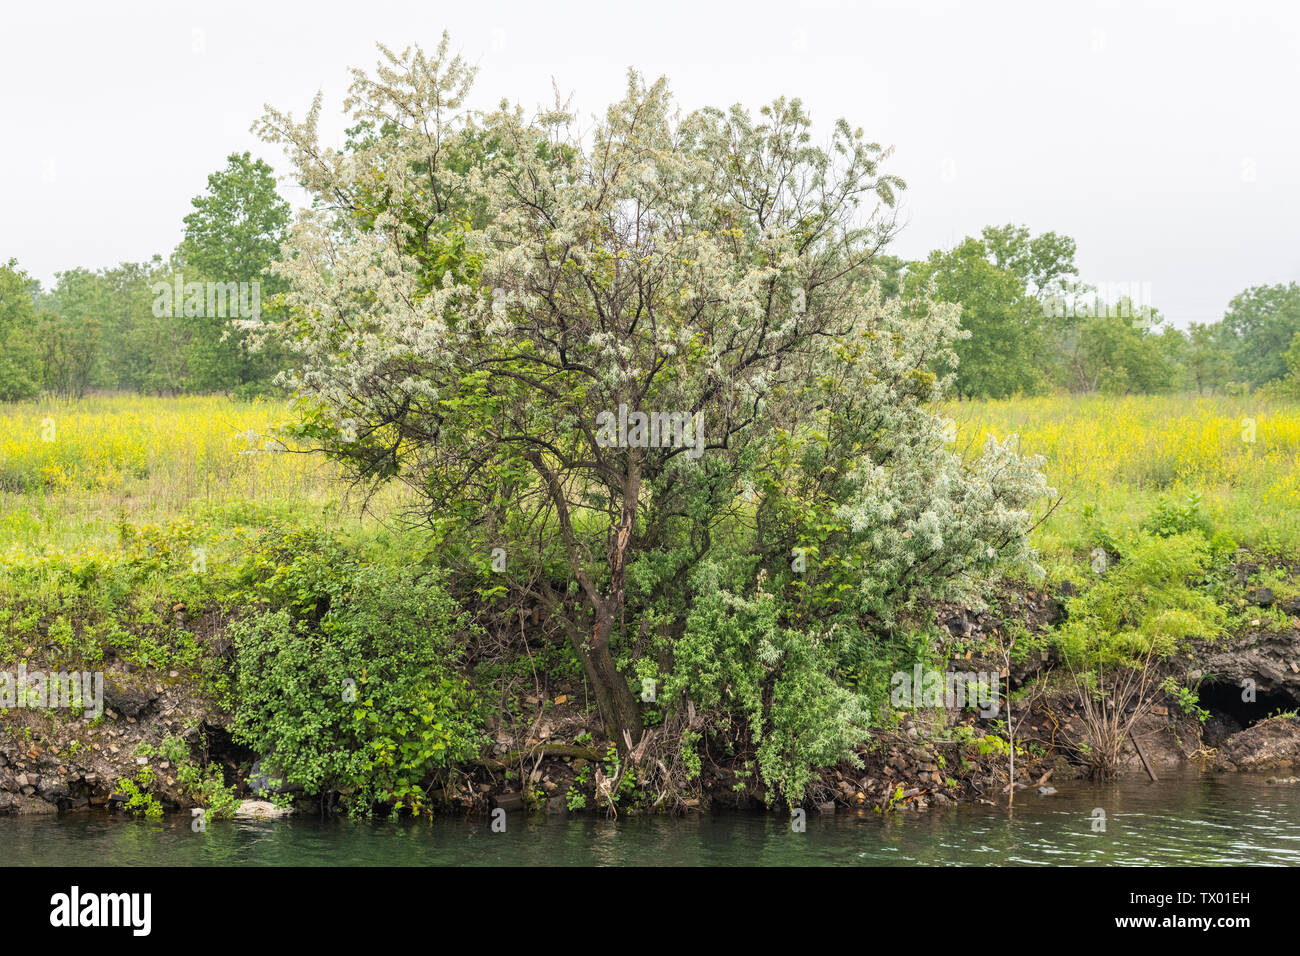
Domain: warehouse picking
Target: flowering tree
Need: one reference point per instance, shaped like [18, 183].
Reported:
[475, 298]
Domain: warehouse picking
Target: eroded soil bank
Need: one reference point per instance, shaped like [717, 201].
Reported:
[1246, 683]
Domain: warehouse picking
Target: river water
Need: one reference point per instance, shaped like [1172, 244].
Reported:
[1190, 819]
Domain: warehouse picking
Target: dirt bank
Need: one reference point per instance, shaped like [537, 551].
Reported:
[552, 758]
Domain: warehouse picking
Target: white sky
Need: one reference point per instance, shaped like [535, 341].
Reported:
[1164, 137]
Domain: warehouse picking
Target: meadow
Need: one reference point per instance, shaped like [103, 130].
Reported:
[73, 473]
[1116, 459]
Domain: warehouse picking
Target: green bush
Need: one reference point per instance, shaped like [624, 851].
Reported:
[1169, 519]
[737, 657]
[140, 800]
[1149, 600]
[349, 677]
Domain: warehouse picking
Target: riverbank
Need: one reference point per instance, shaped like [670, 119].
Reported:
[163, 742]
[235, 601]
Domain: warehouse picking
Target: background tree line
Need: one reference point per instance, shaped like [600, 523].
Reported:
[1034, 326]
[104, 329]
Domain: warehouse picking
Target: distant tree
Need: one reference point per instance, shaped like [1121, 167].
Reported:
[892, 272]
[140, 350]
[1004, 321]
[1044, 263]
[1288, 386]
[19, 368]
[1171, 347]
[232, 236]
[1260, 324]
[1206, 361]
[69, 331]
[1111, 353]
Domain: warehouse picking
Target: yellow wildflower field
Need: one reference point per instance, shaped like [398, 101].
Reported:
[72, 471]
[1120, 455]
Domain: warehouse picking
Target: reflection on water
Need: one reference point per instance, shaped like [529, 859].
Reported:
[1194, 819]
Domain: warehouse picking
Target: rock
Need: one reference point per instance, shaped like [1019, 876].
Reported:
[508, 801]
[1262, 657]
[959, 623]
[1291, 605]
[52, 787]
[1046, 791]
[1053, 611]
[127, 701]
[1218, 728]
[31, 806]
[1262, 597]
[1276, 781]
[260, 810]
[1272, 744]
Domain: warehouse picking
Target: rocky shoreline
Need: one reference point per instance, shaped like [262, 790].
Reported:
[52, 762]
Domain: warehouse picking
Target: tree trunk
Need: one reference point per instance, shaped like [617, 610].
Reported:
[620, 711]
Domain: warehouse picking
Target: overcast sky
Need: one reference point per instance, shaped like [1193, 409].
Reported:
[1164, 137]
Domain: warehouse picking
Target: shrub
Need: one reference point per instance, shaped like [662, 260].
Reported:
[772, 680]
[351, 681]
[1169, 519]
[1148, 601]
